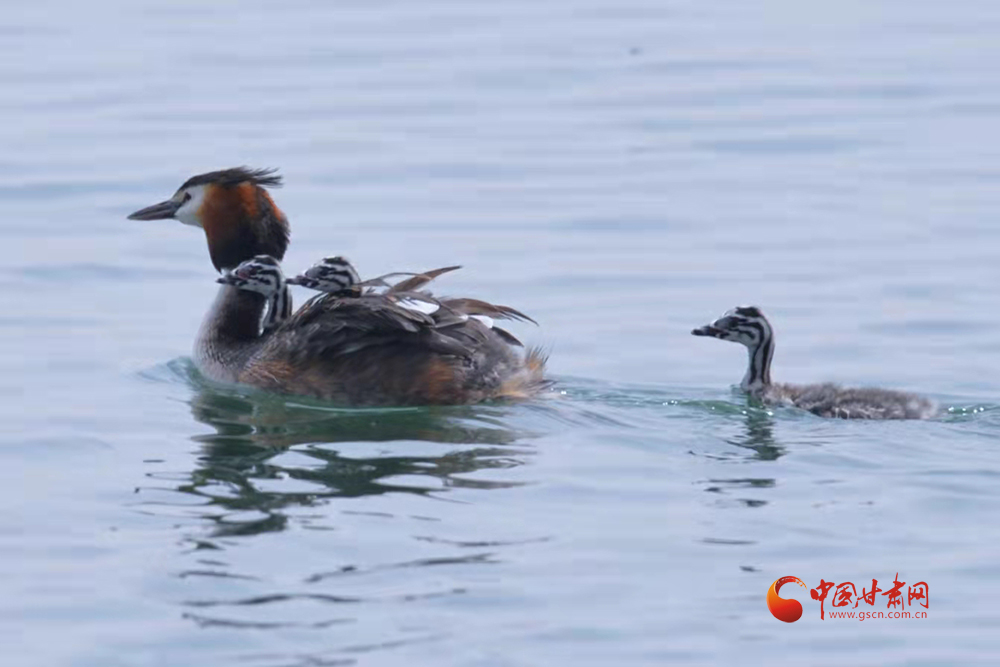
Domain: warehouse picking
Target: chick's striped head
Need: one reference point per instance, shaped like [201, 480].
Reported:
[331, 275]
[262, 274]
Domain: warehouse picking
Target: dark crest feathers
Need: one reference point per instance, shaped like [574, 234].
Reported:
[266, 260]
[748, 311]
[232, 177]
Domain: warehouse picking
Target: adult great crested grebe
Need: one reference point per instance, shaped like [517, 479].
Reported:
[372, 352]
[748, 326]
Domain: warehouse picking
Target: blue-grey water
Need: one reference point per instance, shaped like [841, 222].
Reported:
[622, 170]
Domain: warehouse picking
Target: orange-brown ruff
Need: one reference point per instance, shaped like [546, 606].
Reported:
[360, 351]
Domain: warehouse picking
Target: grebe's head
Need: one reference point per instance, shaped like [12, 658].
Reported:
[238, 215]
[330, 274]
[262, 274]
[743, 324]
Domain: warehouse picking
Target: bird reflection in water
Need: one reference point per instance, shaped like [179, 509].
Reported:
[757, 437]
[251, 430]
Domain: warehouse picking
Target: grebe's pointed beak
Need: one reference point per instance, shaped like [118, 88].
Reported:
[230, 278]
[162, 211]
[707, 330]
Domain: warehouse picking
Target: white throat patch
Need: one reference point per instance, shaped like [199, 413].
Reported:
[188, 213]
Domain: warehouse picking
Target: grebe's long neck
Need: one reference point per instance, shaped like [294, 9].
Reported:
[230, 333]
[279, 308]
[758, 375]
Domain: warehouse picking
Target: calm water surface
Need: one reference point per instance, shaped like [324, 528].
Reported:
[623, 171]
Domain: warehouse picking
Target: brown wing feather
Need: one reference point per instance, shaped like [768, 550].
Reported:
[333, 325]
[508, 337]
[477, 307]
[420, 279]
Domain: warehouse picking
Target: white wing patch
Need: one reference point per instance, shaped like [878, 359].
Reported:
[425, 307]
[485, 319]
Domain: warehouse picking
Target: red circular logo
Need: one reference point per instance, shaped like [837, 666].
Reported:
[788, 611]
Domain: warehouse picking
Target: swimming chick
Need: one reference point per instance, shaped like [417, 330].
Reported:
[748, 326]
[368, 350]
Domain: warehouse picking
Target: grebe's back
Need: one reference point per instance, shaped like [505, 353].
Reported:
[399, 346]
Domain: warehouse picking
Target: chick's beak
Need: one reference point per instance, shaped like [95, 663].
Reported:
[162, 211]
[707, 330]
[230, 278]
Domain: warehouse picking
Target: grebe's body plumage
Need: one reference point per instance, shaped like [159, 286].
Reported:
[363, 348]
[748, 326]
[337, 276]
[389, 343]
